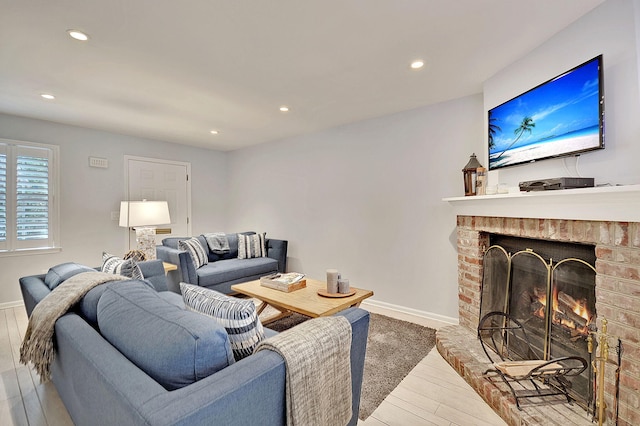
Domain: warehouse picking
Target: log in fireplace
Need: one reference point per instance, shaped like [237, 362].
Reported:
[549, 287]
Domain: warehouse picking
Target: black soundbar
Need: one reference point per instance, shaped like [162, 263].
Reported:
[556, 183]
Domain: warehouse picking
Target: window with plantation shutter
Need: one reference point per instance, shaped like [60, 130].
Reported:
[28, 210]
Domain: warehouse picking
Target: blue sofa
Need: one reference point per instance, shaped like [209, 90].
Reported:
[223, 270]
[101, 385]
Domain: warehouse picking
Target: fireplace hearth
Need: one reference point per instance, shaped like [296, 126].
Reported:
[615, 254]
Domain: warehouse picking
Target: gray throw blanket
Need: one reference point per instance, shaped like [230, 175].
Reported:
[217, 242]
[37, 345]
[317, 355]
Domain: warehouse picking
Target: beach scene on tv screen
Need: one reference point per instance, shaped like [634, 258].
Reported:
[554, 119]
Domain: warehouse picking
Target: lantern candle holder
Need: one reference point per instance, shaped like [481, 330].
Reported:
[470, 174]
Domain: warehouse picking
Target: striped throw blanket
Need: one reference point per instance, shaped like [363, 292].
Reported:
[317, 355]
[37, 345]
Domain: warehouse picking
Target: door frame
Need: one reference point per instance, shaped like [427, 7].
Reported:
[187, 165]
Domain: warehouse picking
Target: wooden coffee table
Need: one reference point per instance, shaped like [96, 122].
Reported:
[305, 301]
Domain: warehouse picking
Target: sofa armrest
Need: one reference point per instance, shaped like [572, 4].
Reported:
[277, 249]
[359, 319]
[186, 272]
[251, 391]
[153, 271]
[33, 291]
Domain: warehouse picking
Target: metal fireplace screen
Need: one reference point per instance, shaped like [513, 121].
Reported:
[553, 298]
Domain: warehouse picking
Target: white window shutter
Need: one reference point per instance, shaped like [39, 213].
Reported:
[32, 197]
[28, 182]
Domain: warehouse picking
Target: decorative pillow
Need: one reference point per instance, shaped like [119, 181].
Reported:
[239, 317]
[198, 255]
[251, 246]
[59, 273]
[114, 265]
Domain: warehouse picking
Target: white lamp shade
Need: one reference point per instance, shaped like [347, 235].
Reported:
[144, 213]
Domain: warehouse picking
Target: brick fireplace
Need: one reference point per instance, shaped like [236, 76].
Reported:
[617, 248]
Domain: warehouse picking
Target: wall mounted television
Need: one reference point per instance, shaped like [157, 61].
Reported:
[561, 117]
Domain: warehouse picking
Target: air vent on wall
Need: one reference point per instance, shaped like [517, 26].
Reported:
[102, 163]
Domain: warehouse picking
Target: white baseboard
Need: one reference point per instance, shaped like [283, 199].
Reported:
[14, 304]
[428, 319]
[389, 309]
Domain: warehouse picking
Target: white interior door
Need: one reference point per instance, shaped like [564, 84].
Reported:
[161, 180]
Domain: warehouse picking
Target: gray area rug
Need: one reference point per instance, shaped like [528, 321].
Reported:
[394, 347]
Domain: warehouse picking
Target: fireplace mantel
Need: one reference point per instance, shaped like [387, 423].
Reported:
[610, 203]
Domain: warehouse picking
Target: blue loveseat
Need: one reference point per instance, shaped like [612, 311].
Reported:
[223, 270]
[124, 378]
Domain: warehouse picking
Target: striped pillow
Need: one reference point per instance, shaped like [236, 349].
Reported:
[193, 246]
[251, 246]
[114, 265]
[238, 316]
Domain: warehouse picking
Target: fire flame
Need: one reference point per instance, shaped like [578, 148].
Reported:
[580, 309]
[559, 317]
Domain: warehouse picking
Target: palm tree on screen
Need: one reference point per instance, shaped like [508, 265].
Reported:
[493, 129]
[526, 126]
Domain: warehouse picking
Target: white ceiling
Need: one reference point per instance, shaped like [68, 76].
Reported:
[173, 70]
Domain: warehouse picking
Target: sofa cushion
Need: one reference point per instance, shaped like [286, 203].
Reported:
[88, 305]
[250, 246]
[198, 253]
[59, 273]
[174, 346]
[114, 265]
[173, 298]
[234, 269]
[238, 316]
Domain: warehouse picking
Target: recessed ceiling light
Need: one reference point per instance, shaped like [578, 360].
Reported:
[213, 132]
[417, 64]
[47, 96]
[284, 108]
[78, 35]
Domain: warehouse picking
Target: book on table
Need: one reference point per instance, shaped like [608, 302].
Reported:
[284, 282]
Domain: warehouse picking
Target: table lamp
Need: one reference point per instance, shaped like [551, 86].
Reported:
[143, 216]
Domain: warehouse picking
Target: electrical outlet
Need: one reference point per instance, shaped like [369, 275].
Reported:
[102, 163]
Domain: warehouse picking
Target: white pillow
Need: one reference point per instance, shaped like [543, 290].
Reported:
[114, 265]
[250, 246]
[198, 254]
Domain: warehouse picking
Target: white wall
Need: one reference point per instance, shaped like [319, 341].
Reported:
[366, 199]
[89, 195]
[610, 30]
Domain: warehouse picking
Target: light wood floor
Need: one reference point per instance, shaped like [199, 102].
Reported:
[432, 394]
[23, 399]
